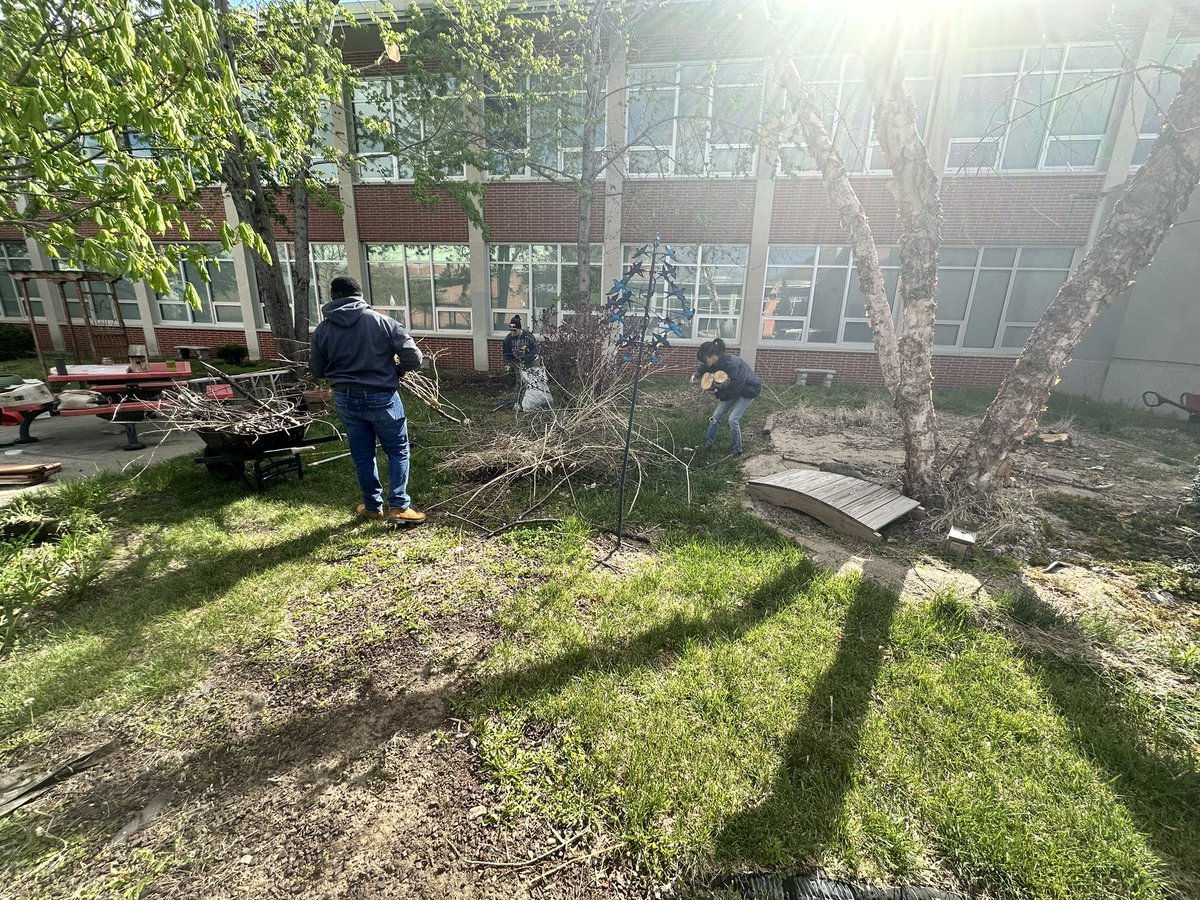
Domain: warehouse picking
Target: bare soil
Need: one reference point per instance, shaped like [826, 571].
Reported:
[329, 764]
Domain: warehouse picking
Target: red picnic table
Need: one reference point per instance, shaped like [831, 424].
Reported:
[129, 396]
[23, 416]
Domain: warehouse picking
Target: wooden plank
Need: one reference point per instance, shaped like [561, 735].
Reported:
[873, 502]
[852, 493]
[889, 514]
[801, 502]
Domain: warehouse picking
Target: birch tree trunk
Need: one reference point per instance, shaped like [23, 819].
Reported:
[911, 392]
[915, 187]
[1154, 200]
[597, 65]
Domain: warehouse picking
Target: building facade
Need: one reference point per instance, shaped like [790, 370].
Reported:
[1035, 116]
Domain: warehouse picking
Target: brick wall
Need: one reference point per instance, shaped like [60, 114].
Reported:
[453, 353]
[389, 214]
[863, 367]
[1029, 209]
[212, 206]
[170, 337]
[324, 225]
[687, 210]
[538, 212]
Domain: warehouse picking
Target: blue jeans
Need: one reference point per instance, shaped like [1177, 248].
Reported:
[371, 417]
[735, 408]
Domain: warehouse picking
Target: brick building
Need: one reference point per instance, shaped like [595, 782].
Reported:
[1031, 112]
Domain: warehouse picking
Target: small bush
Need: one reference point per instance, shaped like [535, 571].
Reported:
[16, 341]
[579, 354]
[234, 354]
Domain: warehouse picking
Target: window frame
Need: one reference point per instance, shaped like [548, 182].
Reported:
[1155, 108]
[692, 290]
[872, 145]
[222, 256]
[1012, 91]
[36, 302]
[530, 310]
[435, 309]
[371, 157]
[561, 149]
[286, 251]
[672, 155]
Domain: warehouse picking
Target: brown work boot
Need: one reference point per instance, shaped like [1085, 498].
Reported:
[368, 513]
[405, 516]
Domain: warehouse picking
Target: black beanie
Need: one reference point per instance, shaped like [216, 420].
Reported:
[515, 320]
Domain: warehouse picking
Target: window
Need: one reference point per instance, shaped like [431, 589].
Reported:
[220, 299]
[1038, 108]
[326, 262]
[1162, 87]
[695, 119]
[99, 298]
[387, 136]
[424, 287]
[537, 281]
[811, 294]
[14, 257]
[539, 131]
[839, 82]
[990, 298]
[713, 278]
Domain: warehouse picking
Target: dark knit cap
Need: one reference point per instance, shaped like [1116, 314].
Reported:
[515, 320]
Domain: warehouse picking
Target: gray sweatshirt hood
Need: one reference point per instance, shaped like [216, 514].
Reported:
[345, 311]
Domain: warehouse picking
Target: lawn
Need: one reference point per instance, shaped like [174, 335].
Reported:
[710, 702]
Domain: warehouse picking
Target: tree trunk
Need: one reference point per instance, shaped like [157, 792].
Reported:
[915, 187]
[302, 261]
[870, 278]
[598, 63]
[245, 185]
[250, 199]
[1154, 200]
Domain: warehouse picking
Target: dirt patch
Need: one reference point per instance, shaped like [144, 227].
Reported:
[329, 764]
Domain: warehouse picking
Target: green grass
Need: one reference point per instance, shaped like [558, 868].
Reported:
[729, 705]
[720, 703]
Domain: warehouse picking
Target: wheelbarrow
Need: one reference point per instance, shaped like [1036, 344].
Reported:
[255, 460]
[1189, 403]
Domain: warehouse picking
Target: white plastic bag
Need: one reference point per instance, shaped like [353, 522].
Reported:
[535, 389]
[74, 399]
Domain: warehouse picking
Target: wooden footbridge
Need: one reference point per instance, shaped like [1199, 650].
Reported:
[850, 505]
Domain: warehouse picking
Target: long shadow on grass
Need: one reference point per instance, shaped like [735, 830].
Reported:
[124, 607]
[1153, 771]
[656, 645]
[800, 816]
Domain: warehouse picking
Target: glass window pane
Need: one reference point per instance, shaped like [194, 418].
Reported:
[229, 313]
[858, 333]
[1031, 294]
[958, 256]
[1047, 257]
[827, 306]
[945, 335]
[788, 291]
[508, 252]
[509, 286]
[986, 306]
[545, 286]
[1015, 337]
[791, 256]
[982, 107]
[999, 256]
[954, 289]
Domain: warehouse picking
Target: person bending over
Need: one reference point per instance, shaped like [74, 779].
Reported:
[520, 349]
[362, 352]
[735, 384]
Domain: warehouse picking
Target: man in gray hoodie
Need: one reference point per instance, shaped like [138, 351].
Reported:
[363, 353]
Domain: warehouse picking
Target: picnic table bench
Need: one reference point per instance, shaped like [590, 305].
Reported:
[23, 416]
[130, 396]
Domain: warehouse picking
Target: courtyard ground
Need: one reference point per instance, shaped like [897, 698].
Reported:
[303, 705]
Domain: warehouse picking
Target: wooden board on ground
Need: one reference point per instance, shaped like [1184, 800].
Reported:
[850, 505]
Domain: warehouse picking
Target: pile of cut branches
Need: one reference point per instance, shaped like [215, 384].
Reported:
[194, 411]
[550, 447]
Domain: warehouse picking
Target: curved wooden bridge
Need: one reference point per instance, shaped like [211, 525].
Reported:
[850, 505]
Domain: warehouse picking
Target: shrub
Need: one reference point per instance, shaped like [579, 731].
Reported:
[579, 354]
[234, 354]
[16, 341]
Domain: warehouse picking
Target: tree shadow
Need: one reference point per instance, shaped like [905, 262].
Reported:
[1151, 768]
[800, 814]
[655, 646]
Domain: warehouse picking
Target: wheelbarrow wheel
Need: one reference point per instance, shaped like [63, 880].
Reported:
[221, 469]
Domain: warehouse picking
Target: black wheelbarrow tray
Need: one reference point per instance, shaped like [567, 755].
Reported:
[269, 456]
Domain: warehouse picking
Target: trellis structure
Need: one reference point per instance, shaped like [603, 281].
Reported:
[103, 325]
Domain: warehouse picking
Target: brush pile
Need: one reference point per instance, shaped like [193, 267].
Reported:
[428, 390]
[548, 448]
[194, 411]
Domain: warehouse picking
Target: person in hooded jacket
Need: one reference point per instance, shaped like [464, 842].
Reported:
[740, 385]
[363, 353]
